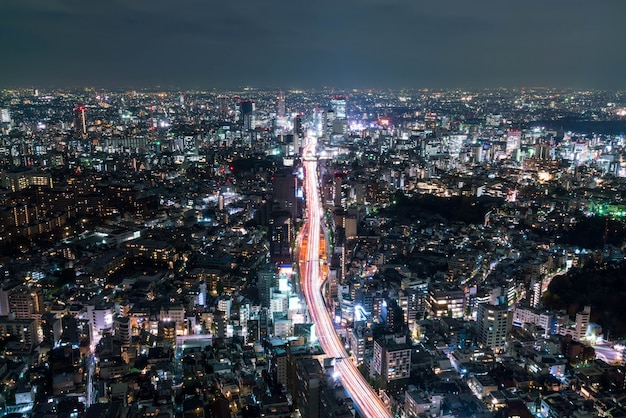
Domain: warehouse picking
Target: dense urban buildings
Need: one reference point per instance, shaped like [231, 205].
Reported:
[159, 256]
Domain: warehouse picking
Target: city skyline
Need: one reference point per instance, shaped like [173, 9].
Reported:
[306, 253]
[366, 44]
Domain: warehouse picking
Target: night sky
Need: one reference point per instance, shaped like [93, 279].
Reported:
[314, 43]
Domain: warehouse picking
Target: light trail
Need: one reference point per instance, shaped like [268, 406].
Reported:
[366, 400]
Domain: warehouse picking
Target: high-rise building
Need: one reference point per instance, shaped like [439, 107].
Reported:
[310, 376]
[339, 106]
[25, 330]
[247, 114]
[494, 324]
[26, 303]
[544, 320]
[22, 178]
[222, 107]
[445, 300]
[280, 366]
[284, 192]
[263, 324]
[338, 190]
[417, 293]
[513, 141]
[122, 330]
[582, 323]
[280, 105]
[80, 122]
[392, 359]
[395, 317]
[70, 330]
[267, 278]
[100, 316]
[421, 404]
[5, 116]
[281, 236]
[358, 336]
[298, 134]
[51, 328]
[4, 301]
[253, 331]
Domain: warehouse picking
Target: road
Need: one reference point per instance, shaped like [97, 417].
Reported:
[91, 365]
[607, 352]
[365, 399]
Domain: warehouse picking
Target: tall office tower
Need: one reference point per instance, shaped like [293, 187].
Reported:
[80, 122]
[247, 114]
[222, 107]
[392, 359]
[494, 324]
[542, 150]
[298, 134]
[284, 193]
[310, 376]
[339, 106]
[280, 105]
[281, 237]
[267, 278]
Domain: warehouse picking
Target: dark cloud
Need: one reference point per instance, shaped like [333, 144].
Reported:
[343, 43]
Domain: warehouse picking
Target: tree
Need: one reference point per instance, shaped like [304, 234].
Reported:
[588, 354]
[68, 276]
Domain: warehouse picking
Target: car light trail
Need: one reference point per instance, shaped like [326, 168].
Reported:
[364, 397]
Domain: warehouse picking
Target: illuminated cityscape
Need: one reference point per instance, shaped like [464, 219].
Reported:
[330, 209]
[312, 253]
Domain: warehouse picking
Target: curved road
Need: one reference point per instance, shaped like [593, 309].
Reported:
[364, 397]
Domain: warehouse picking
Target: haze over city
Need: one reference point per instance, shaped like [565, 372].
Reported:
[311, 44]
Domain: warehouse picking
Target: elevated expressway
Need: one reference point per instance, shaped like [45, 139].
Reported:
[312, 278]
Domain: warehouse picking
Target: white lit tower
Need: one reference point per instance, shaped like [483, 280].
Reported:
[339, 106]
[280, 105]
[319, 122]
[339, 120]
[5, 121]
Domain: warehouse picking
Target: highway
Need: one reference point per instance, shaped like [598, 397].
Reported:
[365, 399]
